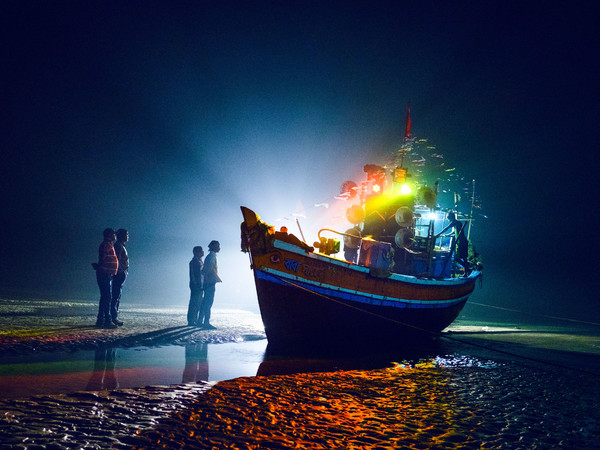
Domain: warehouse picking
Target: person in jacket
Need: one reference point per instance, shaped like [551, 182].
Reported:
[106, 269]
[196, 286]
[121, 276]
[211, 278]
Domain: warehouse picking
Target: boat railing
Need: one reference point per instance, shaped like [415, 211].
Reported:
[425, 251]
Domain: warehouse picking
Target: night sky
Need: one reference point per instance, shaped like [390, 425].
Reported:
[165, 117]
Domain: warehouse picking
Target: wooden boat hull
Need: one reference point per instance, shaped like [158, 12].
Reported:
[296, 317]
[309, 299]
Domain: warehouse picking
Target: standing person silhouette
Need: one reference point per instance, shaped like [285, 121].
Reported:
[121, 276]
[461, 240]
[106, 269]
[211, 278]
[196, 286]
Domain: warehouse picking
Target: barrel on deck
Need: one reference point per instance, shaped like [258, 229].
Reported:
[375, 255]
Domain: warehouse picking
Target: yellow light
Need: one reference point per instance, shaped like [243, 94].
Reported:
[400, 175]
[405, 189]
[376, 188]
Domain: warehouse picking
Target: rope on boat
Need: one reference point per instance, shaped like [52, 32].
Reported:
[340, 233]
[440, 334]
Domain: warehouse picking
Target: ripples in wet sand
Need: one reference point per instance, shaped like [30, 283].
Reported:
[425, 405]
[505, 406]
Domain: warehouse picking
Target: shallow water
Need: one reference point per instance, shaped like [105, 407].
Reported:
[109, 368]
[52, 373]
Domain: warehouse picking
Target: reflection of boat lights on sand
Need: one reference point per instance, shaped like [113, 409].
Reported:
[395, 279]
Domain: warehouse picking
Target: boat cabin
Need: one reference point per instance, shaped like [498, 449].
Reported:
[396, 227]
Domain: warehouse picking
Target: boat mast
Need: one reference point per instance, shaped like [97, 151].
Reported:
[406, 145]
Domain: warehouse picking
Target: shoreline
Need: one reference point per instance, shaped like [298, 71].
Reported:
[58, 325]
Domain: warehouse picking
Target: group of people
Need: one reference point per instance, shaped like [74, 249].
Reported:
[204, 275]
[113, 266]
[111, 272]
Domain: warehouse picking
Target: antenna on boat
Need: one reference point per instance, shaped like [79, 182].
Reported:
[407, 131]
[300, 228]
[471, 214]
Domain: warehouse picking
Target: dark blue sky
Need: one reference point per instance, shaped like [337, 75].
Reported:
[165, 117]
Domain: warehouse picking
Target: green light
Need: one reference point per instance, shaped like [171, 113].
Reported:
[405, 189]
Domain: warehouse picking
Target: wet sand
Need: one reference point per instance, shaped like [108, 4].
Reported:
[423, 408]
[479, 399]
[104, 419]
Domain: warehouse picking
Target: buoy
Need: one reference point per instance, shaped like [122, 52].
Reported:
[404, 216]
[355, 214]
[404, 238]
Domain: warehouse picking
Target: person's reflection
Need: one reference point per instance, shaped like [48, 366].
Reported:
[103, 376]
[196, 363]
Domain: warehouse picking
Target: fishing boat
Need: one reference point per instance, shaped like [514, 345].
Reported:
[397, 278]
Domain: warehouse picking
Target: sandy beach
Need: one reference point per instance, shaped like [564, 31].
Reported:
[467, 396]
